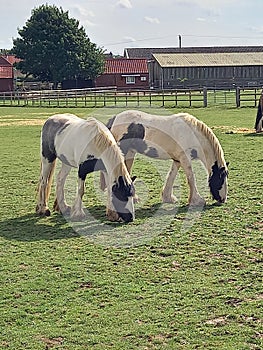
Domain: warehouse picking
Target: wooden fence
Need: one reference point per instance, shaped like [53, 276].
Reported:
[142, 98]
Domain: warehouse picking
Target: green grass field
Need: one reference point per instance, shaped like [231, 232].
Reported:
[172, 279]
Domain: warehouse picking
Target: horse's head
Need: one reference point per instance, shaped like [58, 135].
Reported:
[218, 183]
[122, 199]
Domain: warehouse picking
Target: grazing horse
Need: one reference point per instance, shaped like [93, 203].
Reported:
[89, 146]
[259, 117]
[180, 137]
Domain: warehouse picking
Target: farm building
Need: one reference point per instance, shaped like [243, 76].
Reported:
[146, 53]
[212, 67]
[124, 74]
[211, 70]
[6, 75]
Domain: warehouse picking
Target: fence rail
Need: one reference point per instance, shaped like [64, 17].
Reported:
[141, 98]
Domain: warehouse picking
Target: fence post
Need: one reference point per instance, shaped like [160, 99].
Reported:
[205, 96]
[256, 100]
[238, 97]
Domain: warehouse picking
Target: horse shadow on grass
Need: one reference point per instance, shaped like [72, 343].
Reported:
[31, 227]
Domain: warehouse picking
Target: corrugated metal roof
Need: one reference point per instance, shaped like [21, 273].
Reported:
[210, 59]
[6, 72]
[125, 66]
[142, 52]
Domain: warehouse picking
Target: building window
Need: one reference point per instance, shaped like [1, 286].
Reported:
[130, 80]
[143, 78]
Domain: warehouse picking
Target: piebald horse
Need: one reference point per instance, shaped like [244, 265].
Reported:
[259, 117]
[89, 146]
[180, 137]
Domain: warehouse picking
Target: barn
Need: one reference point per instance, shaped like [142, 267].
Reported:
[214, 67]
[223, 70]
[124, 74]
[8, 73]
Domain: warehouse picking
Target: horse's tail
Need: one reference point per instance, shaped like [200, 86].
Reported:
[49, 179]
[259, 115]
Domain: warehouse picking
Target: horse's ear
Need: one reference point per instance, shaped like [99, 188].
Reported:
[133, 178]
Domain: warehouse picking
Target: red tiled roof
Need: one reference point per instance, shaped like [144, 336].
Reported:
[6, 72]
[125, 66]
[11, 59]
[4, 62]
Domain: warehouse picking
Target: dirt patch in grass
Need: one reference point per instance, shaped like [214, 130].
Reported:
[233, 129]
[23, 122]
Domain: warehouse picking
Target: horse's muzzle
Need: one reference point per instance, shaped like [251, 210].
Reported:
[126, 217]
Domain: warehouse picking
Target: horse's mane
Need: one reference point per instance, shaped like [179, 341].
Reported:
[108, 146]
[204, 129]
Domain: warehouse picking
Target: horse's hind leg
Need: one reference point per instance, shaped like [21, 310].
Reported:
[60, 204]
[129, 160]
[44, 187]
[167, 192]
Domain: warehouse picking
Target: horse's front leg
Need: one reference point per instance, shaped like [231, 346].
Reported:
[44, 186]
[167, 192]
[194, 197]
[60, 204]
[111, 213]
[77, 211]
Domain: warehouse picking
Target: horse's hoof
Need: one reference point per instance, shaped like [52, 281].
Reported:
[47, 212]
[77, 218]
[112, 215]
[42, 212]
[170, 199]
[66, 211]
[199, 203]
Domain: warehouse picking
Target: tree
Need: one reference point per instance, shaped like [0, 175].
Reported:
[54, 47]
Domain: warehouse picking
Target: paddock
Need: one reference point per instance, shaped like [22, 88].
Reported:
[172, 279]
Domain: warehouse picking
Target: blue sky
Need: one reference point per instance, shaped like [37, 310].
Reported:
[116, 24]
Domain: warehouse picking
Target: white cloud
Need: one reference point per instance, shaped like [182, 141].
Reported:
[152, 20]
[83, 15]
[126, 4]
[206, 20]
[128, 39]
[257, 30]
[211, 3]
